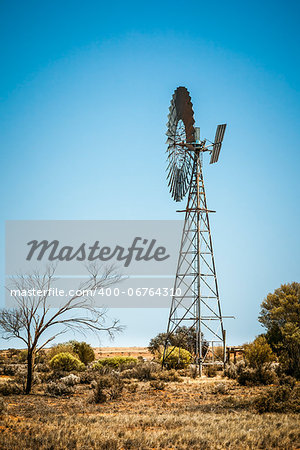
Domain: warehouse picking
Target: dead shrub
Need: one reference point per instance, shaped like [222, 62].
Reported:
[21, 377]
[280, 399]
[107, 387]
[58, 389]
[3, 406]
[249, 376]
[88, 376]
[230, 371]
[220, 388]
[158, 385]
[9, 388]
[192, 371]
[10, 369]
[145, 371]
[132, 387]
[70, 380]
[287, 380]
[211, 371]
[168, 375]
[42, 367]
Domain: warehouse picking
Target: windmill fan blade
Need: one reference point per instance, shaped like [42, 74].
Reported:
[218, 143]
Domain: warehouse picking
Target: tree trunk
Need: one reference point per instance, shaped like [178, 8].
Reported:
[30, 362]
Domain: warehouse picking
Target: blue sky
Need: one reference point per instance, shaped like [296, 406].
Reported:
[85, 89]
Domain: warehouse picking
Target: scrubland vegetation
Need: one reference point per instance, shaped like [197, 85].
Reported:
[128, 403]
[77, 402]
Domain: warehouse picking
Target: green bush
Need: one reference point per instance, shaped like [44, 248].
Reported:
[117, 362]
[258, 352]
[65, 362]
[84, 351]
[280, 316]
[60, 348]
[177, 358]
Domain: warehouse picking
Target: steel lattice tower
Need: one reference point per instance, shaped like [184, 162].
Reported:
[196, 303]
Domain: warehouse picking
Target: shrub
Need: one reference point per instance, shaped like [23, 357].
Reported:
[248, 376]
[21, 377]
[266, 375]
[70, 380]
[280, 316]
[84, 351]
[3, 406]
[65, 362]
[117, 362]
[128, 373]
[287, 380]
[8, 388]
[132, 387]
[9, 369]
[42, 367]
[144, 372]
[193, 372]
[220, 388]
[107, 387]
[230, 371]
[40, 357]
[58, 389]
[258, 352]
[211, 371]
[87, 376]
[177, 358]
[60, 348]
[158, 385]
[168, 375]
[281, 399]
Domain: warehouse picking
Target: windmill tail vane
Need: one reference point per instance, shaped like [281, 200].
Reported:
[197, 309]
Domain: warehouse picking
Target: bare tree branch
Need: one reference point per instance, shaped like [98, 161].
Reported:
[33, 314]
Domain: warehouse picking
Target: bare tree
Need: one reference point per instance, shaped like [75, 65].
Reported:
[33, 315]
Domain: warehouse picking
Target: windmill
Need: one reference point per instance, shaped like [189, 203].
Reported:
[195, 303]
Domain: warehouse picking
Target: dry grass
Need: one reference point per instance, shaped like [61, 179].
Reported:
[193, 414]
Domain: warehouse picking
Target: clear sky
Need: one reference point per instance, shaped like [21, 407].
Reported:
[85, 89]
